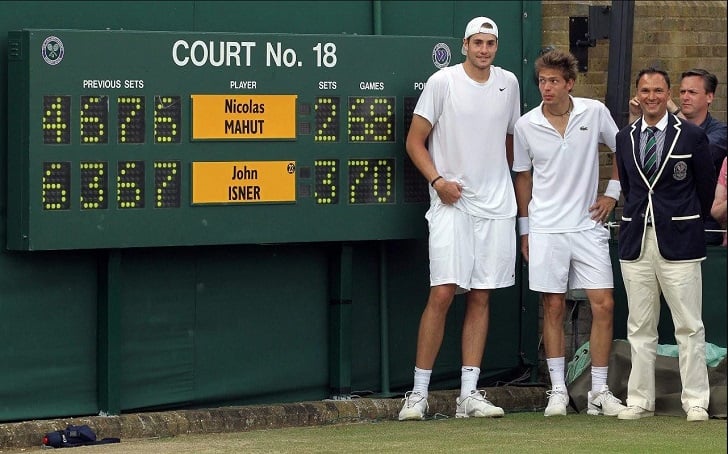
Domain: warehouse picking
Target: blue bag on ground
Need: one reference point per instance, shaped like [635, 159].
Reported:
[74, 436]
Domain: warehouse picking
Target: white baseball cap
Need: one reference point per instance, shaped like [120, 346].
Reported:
[479, 25]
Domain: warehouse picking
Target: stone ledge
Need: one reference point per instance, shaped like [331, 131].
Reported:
[255, 417]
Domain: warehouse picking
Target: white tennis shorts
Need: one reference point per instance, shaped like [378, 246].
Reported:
[472, 252]
[576, 260]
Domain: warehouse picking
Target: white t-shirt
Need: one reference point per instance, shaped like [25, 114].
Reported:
[565, 169]
[467, 143]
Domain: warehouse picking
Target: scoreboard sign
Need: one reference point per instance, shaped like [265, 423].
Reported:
[143, 139]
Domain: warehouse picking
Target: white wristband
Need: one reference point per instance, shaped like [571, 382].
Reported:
[523, 225]
[614, 188]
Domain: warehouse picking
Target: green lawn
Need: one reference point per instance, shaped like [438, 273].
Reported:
[516, 432]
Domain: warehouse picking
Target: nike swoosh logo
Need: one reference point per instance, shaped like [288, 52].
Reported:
[501, 89]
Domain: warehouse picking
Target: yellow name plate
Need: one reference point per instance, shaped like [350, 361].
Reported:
[243, 182]
[243, 117]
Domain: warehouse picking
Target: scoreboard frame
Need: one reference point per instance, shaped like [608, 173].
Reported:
[144, 139]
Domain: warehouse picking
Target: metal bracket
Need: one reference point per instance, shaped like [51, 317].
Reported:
[599, 19]
[584, 32]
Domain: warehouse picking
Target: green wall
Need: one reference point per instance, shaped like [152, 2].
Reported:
[146, 328]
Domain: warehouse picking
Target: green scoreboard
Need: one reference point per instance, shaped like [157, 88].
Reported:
[138, 139]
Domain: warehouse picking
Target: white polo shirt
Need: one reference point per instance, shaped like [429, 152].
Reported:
[470, 121]
[565, 169]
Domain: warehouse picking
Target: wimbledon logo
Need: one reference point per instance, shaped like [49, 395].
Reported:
[441, 55]
[52, 50]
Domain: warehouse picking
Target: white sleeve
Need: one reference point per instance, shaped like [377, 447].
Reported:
[521, 151]
[431, 101]
[515, 104]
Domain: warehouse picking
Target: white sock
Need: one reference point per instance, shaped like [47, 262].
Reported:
[468, 380]
[599, 378]
[422, 381]
[556, 373]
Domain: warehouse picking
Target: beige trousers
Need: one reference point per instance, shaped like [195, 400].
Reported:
[681, 284]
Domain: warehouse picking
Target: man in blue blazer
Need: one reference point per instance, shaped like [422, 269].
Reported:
[668, 182]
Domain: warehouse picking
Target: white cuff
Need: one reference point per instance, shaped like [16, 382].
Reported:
[614, 188]
[523, 225]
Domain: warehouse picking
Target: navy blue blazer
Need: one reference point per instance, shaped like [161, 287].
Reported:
[680, 196]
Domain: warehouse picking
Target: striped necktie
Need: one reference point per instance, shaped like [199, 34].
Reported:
[649, 166]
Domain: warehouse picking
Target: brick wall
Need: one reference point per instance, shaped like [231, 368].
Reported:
[673, 35]
[686, 34]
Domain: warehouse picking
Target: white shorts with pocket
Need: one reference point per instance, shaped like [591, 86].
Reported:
[471, 252]
[570, 260]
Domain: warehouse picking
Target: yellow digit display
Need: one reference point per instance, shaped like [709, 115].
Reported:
[371, 181]
[326, 181]
[94, 185]
[167, 177]
[167, 119]
[131, 119]
[56, 186]
[327, 119]
[56, 117]
[371, 119]
[130, 184]
[94, 119]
